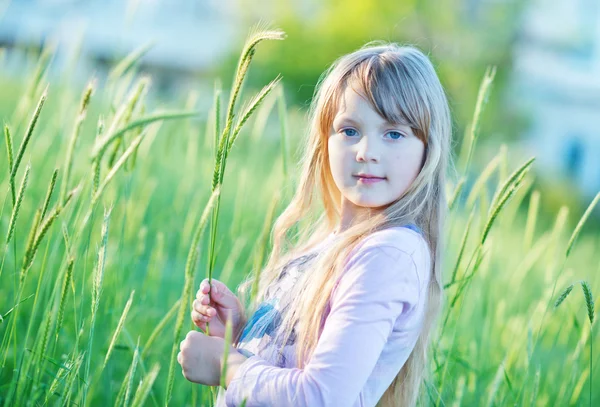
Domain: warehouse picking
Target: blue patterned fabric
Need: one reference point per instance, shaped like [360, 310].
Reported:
[414, 227]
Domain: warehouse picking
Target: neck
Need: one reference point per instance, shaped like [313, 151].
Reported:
[352, 214]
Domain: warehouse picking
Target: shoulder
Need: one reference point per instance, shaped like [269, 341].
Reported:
[393, 240]
[387, 266]
[403, 250]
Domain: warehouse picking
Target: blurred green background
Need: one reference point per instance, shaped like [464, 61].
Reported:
[503, 342]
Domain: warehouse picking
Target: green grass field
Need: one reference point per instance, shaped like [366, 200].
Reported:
[102, 246]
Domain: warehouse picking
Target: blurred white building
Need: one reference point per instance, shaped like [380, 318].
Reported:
[189, 36]
[556, 81]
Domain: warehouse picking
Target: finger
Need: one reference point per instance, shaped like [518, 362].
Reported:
[200, 296]
[204, 309]
[179, 358]
[200, 324]
[221, 295]
[216, 287]
[198, 317]
[204, 284]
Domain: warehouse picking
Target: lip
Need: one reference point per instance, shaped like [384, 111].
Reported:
[365, 175]
[368, 178]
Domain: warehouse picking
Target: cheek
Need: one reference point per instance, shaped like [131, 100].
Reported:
[410, 163]
[336, 155]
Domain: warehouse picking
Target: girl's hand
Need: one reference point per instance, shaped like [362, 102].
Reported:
[222, 303]
[201, 358]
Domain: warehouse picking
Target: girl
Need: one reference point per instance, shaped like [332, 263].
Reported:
[345, 317]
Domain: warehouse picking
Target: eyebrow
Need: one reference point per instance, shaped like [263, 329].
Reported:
[350, 120]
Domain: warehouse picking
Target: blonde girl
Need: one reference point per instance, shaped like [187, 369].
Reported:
[346, 306]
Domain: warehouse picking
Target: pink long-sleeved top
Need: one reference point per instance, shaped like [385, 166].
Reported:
[371, 325]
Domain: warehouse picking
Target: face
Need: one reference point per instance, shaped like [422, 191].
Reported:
[362, 142]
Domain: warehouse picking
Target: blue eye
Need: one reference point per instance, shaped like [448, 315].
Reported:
[396, 138]
[344, 130]
[400, 135]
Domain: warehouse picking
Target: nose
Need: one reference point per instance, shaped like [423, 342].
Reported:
[367, 150]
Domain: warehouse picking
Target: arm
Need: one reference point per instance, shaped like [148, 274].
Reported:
[378, 284]
[234, 361]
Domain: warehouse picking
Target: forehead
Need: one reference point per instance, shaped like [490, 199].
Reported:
[354, 107]
[351, 103]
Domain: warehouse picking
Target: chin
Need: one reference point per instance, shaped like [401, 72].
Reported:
[364, 203]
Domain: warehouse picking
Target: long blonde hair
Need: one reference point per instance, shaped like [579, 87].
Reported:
[401, 84]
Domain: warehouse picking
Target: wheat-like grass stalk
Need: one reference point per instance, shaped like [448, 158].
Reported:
[501, 192]
[43, 229]
[481, 180]
[257, 35]
[73, 375]
[260, 120]
[227, 138]
[507, 190]
[532, 213]
[557, 229]
[28, 134]
[39, 216]
[589, 303]
[32, 234]
[589, 300]
[62, 374]
[15, 212]
[63, 295]
[103, 142]
[581, 223]
[49, 193]
[159, 327]
[500, 372]
[115, 121]
[473, 134]
[125, 390]
[461, 250]
[217, 116]
[495, 210]
[145, 386]
[454, 196]
[477, 256]
[111, 173]
[42, 345]
[9, 153]
[41, 68]
[131, 163]
[85, 100]
[118, 329]
[96, 293]
[563, 295]
[131, 104]
[136, 356]
[187, 288]
[129, 61]
[96, 163]
[536, 386]
[249, 110]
